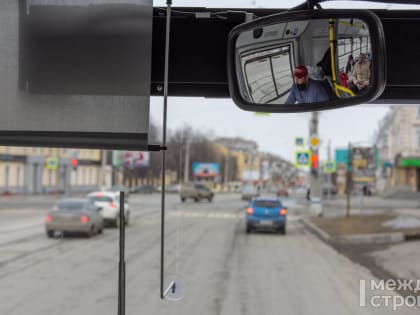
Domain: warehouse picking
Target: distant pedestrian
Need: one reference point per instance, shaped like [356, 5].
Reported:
[365, 190]
[308, 194]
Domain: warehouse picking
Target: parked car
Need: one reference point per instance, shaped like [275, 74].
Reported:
[143, 189]
[282, 192]
[75, 215]
[266, 213]
[195, 191]
[170, 188]
[118, 188]
[249, 192]
[110, 202]
[173, 188]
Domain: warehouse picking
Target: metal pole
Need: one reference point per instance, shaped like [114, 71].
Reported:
[103, 170]
[226, 172]
[187, 161]
[165, 110]
[121, 267]
[349, 177]
[180, 165]
[329, 173]
[315, 182]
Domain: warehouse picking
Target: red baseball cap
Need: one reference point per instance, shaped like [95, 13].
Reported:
[300, 72]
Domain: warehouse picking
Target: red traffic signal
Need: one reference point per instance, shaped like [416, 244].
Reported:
[315, 161]
[74, 163]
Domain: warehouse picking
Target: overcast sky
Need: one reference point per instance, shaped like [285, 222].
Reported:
[274, 133]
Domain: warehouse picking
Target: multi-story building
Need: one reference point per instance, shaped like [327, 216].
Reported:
[398, 142]
[48, 170]
[258, 168]
[248, 161]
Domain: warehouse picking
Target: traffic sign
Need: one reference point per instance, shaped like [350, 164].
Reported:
[52, 163]
[314, 142]
[299, 141]
[330, 167]
[303, 158]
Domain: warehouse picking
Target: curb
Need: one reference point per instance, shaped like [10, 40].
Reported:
[316, 230]
[374, 238]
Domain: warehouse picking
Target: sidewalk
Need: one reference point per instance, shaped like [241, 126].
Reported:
[409, 212]
[402, 260]
[373, 202]
[26, 201]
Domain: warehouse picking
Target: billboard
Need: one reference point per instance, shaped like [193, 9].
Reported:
[75, 73]
[205, 169]
[363, 164]
[136, 159]
[131, 159]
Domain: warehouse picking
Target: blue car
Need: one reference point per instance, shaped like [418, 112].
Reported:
[266, 214]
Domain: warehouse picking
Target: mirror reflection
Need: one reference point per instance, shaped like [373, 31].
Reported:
[304, 61]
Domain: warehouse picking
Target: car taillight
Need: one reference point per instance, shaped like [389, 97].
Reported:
[250, 210]
[84, 219]
[48, 219]
[112, 205]
[283, 211]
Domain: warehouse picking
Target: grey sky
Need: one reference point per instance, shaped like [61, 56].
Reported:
[274, 133]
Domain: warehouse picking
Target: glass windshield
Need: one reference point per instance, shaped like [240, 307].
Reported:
[71, 205]
[267, 204]
[100, 198]
[335, 229]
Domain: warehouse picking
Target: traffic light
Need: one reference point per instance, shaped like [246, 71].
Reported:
[74, 163]
[315, 161]
[314, 164]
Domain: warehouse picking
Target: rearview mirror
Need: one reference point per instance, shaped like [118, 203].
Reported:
[307, 60]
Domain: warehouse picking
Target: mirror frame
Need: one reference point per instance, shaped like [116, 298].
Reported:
[378, 73]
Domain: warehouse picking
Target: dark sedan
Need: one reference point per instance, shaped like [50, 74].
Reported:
[74, 215]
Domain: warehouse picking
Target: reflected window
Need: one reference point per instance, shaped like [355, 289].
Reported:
[268, 74]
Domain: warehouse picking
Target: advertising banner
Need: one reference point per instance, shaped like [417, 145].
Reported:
[205, 169]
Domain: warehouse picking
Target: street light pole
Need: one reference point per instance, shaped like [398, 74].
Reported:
[187, 161]
[180, 165]
[315, 187]
[349, 178]
[314, 182]
[226, 172]
[329, 174]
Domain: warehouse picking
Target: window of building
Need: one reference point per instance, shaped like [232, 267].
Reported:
[18, 175]
[6, 177]
[418, 138]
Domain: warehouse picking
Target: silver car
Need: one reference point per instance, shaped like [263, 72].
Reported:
[75, 215]
[109, 201]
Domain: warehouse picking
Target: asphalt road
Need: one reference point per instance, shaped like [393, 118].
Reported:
[225, 270]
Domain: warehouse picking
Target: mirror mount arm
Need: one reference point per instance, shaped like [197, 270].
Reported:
[307, 5]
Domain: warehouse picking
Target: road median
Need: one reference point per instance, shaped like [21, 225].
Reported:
[362, 229]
